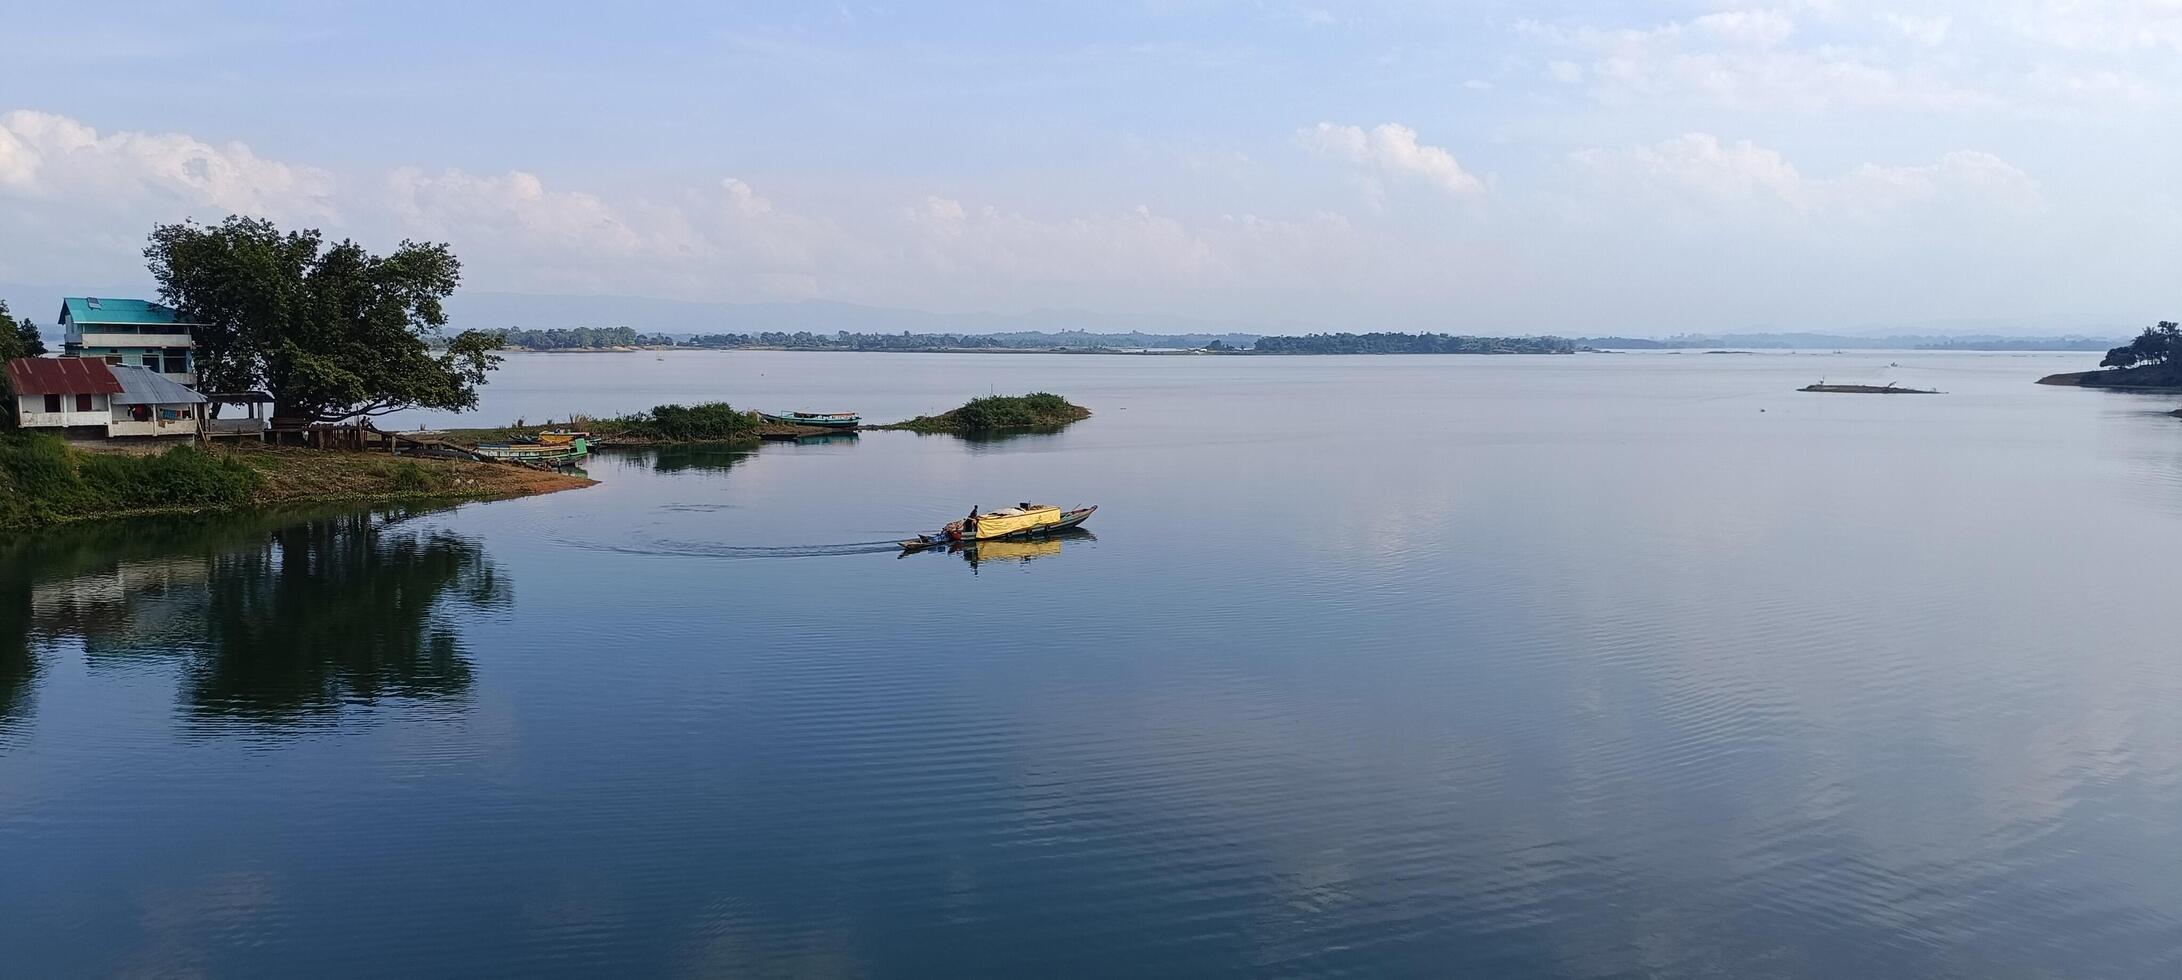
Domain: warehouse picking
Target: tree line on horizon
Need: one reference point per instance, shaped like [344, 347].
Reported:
[572, 338]
[1412, 343]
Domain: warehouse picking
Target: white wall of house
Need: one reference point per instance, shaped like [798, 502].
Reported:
[155, 427]
[30, 412]
[120, 424]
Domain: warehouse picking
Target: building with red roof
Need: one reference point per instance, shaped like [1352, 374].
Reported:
[91, 397]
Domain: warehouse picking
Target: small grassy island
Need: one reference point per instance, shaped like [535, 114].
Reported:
[2153, 360]
[43, 480]
[999, 413]
[1885, 389]
[663, 425]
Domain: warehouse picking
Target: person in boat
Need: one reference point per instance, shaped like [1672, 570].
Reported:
[969, 524]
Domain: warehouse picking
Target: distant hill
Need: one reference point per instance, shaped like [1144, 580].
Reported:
[488, 310]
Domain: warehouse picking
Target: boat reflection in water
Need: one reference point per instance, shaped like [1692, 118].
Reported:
[1016, 550]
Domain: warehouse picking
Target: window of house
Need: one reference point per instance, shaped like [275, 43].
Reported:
[177, 362]
[113, 358]
[151, 362]
[83, 403]
[53, 403]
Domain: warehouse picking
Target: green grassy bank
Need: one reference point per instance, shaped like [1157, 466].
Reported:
[43, 480]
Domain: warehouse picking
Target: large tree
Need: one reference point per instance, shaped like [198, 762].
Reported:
[18, 338]
[2156, 345]
[333, 332]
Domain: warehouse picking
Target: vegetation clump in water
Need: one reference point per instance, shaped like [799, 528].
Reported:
[995, 413]
[704, 422]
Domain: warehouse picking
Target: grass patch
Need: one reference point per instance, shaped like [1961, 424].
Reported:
[409, 477]
[998, 413]
[43, 481]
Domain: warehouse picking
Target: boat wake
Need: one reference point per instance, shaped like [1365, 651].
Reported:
[699, 549]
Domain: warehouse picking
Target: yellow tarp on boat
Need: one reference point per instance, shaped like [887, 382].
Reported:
[1001, 523]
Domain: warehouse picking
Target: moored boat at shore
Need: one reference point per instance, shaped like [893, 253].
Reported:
[823, 420]
[1021, 521]
[568, 453]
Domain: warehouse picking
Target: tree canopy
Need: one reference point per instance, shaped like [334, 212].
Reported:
[2156, 345]
[18, 338]
[332, 331]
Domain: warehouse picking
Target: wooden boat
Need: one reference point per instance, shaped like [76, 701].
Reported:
[1885, 389]
[563, 437]
[1007, 523]
[541, 453]
[823, 420]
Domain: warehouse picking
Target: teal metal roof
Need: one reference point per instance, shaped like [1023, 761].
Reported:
[99, 309]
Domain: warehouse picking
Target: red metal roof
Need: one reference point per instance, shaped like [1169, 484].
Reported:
[62, 376]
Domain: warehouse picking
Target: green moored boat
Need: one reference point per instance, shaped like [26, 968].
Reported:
[568, 453]
[823, 420]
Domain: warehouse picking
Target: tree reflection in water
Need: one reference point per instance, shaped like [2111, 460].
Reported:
[18, 662]
[273, 618]
[698, 457]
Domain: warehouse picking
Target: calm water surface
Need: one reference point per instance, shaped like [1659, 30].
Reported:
[1597, 666]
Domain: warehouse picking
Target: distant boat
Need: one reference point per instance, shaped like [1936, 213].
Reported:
[1885, 389]
[823, 420]
[1020, 521]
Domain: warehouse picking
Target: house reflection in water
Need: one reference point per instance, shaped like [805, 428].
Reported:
[269, 618]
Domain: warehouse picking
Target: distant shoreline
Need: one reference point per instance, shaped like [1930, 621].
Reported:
[1165, 352]
[1016, 350]
[2159, 378]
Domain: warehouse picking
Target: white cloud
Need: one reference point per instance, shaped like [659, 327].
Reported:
[1758, 28]
[1392, 148]
[1924, 31]
[1737, 59]
[1540, 253]
[1995, 56]
[1699, 173]
[43, 155]
[2109, 27]
[76, 202]
[528, 236]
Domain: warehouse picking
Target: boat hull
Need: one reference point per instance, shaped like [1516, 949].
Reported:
[1069, 520]
[563, 454]
[844, 420]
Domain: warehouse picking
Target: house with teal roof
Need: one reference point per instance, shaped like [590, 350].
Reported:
[130, 332]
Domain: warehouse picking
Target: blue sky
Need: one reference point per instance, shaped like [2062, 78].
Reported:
[1576, 167]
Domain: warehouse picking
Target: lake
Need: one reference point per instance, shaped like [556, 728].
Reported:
[1584, 666]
